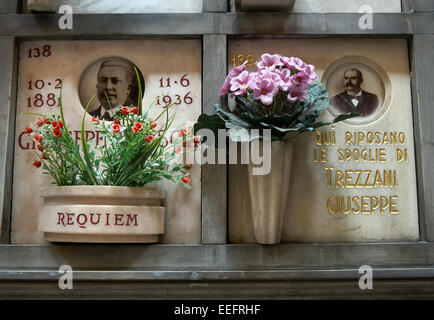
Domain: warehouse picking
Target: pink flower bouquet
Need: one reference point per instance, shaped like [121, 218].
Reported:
[283, 95]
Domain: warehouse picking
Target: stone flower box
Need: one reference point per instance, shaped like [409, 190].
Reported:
[102, 214]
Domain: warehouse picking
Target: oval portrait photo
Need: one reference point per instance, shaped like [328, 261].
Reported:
[113, 83]
[357, 84]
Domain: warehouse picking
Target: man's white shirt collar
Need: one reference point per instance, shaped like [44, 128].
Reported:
[354, 100]
[110, 112]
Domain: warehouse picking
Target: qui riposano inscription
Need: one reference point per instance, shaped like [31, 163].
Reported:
[354, 181]
[362, 148]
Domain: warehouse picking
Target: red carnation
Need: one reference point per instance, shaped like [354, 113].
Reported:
[137, 127]
[44, 156]
[47, 121]
[182, 132]
[39, 122]
[153, 124]
[40, 147]
[116, 127]
[116, 121]
[134, 110]
[124, 110]
[37, 163]
[149, 138]
[186, 180]
[94, 120]
[28, 130]
[38, 137]
[57, 133]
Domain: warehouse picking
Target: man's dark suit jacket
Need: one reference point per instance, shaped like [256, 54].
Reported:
[96, 113]
[368, 103]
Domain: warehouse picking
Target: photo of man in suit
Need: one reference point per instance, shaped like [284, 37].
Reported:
[115, 81]
[354, 99]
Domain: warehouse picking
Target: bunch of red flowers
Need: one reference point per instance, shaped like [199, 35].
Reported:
[135, 152]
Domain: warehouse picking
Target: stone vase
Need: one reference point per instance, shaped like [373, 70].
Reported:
[269, 194]
[102, 214]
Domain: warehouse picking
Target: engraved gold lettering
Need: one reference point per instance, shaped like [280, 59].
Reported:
[364, 205]
[377, 179]
[367, 185]
[356, 206]
[393, 204]
[348, 138]
[384, 203]
[339, 179]
[329, 175]
[374, 204]
[359, 177]
[331, 206]
[349, 178]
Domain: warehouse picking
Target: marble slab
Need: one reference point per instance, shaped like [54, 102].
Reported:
[346, 6]
[110, 6]
[43, 64]
[323, 170]
[330, 6]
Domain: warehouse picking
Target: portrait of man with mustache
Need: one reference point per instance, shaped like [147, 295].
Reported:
[115, 81]
[354, 99]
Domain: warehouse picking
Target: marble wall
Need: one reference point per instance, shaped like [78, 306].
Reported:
[43, 64]
[384, 173]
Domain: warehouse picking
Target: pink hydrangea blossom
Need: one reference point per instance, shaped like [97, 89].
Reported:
[310, 70]
[285, 76]
[232, 74]
[240, 83]
[269, 62]
[301, 80]
[296, 93]
[237, 70]
[264, 89]
[273, 75]
[225, 87]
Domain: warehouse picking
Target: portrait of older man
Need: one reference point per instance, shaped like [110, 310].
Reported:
[115, 81]
[354, 99]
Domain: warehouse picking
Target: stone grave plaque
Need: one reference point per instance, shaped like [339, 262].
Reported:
[354, 181]
[171, 71]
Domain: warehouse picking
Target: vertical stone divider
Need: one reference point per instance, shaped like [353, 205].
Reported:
[8, 70]
[215, 5]
[417, 5]
[214, 176]
[423, 111]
